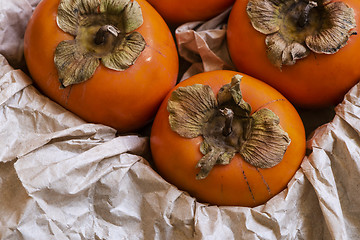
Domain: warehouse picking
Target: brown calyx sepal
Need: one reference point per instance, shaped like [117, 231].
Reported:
[227, 127]
[103, 33]
[294, 28]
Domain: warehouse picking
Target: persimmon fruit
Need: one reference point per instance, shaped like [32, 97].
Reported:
[227, 142]
[109, 62]
[177, 12]
[307, 50]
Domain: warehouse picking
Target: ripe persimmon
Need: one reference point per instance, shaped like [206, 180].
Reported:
[227, 139]
[307, 50]
[176, 12]
[109, 62]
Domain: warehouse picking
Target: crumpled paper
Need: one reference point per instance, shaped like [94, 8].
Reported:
[63, 178]
[333, 168]
[203, 45]
[13, 20]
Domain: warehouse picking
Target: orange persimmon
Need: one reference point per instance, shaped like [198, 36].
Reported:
[307, 50]
[176, 12]
[267, 133]
[109, 62]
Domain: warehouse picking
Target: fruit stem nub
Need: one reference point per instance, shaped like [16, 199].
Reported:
[100, 36]
[229, 116]
[304, 17]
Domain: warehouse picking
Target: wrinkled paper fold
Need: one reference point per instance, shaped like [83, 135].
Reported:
[63, 178]
[203, 44]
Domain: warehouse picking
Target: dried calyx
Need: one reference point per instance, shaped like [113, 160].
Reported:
[294, 28]
[103, 32]
[227, 127]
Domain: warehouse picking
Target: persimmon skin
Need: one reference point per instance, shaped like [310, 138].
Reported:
[316, 81]
[175, 157]
[177, 12]
[125, 100]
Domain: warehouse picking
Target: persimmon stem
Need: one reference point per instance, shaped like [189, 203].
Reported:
[304, 17]
[229, 116]
[100, 36]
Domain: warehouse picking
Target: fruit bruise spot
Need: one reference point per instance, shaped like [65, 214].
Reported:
[264, 181]
[248, 184]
